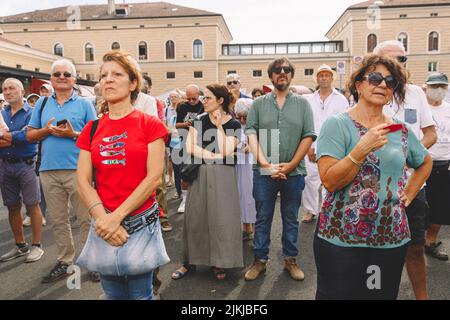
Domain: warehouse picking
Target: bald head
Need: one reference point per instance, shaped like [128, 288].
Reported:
[192, 94]
[391, 48]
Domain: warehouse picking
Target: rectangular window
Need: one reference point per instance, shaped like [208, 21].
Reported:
[257, 73]
[309, 72]
[170, 75]
[198, 74]
[403, 16]
[18, 66]
[90, 77]
[37, 70]
[114, 27]
[141, 26]
[434, 14]
[432, 67]
[88, 28]
[25, 30]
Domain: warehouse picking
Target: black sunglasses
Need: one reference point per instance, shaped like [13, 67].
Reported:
[286, 70]
[376, 78]
[402, 59]
[232, 82]
[65, 74]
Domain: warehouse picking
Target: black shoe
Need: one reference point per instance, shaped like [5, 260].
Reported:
[94, 276]
[58, 272]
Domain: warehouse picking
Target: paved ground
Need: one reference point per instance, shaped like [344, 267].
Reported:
[22, 281]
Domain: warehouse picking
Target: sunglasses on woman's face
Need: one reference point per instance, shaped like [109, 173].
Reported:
[402, 59]
[376, 78]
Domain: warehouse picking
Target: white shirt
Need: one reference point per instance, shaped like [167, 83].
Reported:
[334, 104]
[441, 115]
[3, 125]
[414, 110]
[146, 104]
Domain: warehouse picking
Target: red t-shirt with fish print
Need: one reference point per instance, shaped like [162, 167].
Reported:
[119, 155]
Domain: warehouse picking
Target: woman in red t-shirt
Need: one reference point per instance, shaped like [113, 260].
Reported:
[126, 153]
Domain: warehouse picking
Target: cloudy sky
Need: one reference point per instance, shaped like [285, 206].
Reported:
[249, 20]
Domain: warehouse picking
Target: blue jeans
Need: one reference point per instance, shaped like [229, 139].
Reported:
[129, 287]
[265, 191]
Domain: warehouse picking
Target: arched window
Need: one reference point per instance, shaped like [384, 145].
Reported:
[433, 41]
[403, 38]
[198, 49]
[372, 42]
[58, 49]
[115, 46]
[89, 52]
[142, 48]
[170, 50]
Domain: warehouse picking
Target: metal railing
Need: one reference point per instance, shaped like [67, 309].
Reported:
[283, 48]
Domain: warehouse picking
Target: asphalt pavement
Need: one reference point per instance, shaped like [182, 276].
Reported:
[19, 280]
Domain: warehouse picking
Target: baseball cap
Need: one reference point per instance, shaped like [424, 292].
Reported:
[47, 86]
[33, 95]
[437, 78]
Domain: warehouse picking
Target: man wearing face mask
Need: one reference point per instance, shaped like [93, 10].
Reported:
[414, 111]
[438, 184]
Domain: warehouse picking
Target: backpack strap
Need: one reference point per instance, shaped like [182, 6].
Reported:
[42, 108]
[92, 134]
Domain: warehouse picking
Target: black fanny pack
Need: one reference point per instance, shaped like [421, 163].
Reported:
[439, 165]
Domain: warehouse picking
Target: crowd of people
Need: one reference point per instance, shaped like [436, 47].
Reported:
[370, 165]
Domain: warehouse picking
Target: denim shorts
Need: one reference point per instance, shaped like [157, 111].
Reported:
[143, 252]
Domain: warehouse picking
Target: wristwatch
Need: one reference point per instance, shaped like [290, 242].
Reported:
[77, 134]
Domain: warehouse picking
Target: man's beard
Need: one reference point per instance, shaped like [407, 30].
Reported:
[281, 87]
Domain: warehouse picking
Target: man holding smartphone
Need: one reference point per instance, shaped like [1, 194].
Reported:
[280, 128]
[57, 121]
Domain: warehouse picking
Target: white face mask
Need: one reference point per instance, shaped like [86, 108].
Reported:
[436, 94]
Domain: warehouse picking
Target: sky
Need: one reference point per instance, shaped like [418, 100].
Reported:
[250, 21]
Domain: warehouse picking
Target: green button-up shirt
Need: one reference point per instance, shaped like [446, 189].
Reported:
[280, 130]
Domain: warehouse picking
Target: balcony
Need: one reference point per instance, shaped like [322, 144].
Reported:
[295, 48]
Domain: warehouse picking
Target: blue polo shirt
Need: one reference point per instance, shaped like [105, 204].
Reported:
[61, 153]
[18, 125]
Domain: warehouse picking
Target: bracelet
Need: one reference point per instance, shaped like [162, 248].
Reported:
[356, 163]
[94, 205]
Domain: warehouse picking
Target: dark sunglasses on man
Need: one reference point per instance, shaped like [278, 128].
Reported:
[235, 82]
[402, 59]
[65, 74]
[286, 70]
[376, 78]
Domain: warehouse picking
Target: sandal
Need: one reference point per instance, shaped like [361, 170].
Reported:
[308, 218]
[178, 274]
[219, 273]
[433, 251]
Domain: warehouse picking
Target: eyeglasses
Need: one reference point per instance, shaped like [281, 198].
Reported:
[376, 78]
[286, 70]
[402, 59]
[65, 74]
[207, 98]
[235, 82]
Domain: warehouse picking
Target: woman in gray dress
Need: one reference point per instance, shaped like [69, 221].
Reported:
[212, 221]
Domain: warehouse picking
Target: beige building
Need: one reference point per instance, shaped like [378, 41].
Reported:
[177, 45]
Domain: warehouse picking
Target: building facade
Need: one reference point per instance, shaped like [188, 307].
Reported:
[177, 45]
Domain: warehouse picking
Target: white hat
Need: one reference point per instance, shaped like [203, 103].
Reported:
[2, 97]
[47, 86]
[324, 67]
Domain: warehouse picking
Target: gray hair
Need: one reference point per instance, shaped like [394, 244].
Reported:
[65, 63]
[380, 48]
[233, 76]
[243, 106]
[17, 82]
[193, 87]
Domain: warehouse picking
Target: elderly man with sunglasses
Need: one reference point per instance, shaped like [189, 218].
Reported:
[57, 121]
[234, 85]
[416, 113]
[280, 128]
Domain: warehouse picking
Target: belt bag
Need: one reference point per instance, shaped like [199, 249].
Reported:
[143, 252]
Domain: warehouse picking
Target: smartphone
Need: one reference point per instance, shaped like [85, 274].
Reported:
[61, 122]
[394, 127]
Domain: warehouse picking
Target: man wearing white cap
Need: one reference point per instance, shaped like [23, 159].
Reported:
[2, 101]
[46, 90]
[325, 102]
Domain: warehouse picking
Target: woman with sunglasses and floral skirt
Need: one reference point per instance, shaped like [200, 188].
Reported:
[363, 156]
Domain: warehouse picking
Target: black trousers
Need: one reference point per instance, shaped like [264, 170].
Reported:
[349, 273]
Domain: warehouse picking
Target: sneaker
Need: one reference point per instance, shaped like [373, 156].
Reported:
[182, 206]
[15, 253]
[26, 221]
[35, 254]
[258, 267]
[59, 271]
[294, 270]
[166, 226]
[176, 196]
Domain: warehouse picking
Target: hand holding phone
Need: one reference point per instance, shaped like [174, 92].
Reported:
[61, 122]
